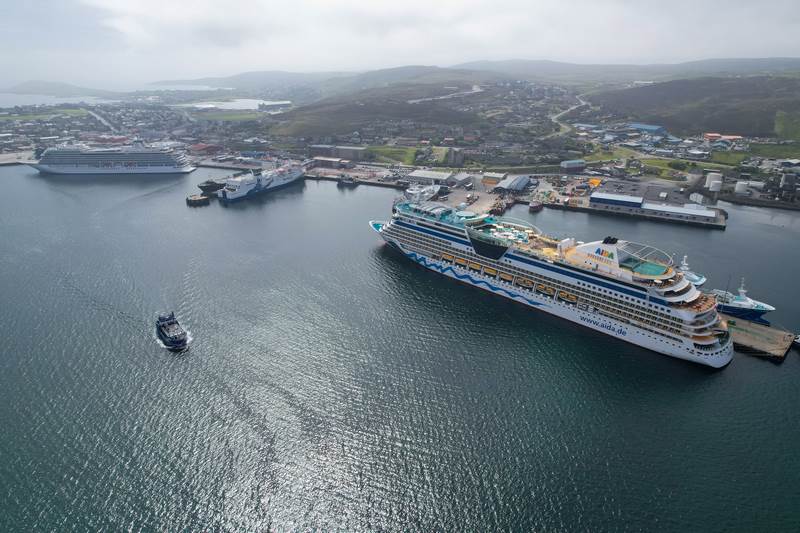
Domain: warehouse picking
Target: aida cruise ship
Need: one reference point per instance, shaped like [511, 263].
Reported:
[624, 289]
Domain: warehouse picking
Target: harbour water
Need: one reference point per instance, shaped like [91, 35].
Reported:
[11, 100]
[333, 384]
[235, 104]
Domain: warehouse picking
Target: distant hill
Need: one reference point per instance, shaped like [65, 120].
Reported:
[332, 83]
[53, 88]
[753, 105]
[325, 84]
[413, 74]
[347, 113]
[258, 80]
[581, 73]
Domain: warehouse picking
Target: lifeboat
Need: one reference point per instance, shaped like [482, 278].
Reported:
[545, 289]
[567, 297]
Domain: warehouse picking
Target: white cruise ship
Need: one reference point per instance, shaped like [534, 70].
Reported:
[627, 290]
[247, 185]
[118, 160]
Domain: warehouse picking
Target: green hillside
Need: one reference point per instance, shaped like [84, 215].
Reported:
[393, 154]
[619, 73]
[340, 115]
[756, 105]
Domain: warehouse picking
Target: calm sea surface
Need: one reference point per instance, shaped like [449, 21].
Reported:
[333, 384]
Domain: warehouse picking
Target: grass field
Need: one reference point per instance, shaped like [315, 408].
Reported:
[228, 116]
[440, 152]
[787, 125]
[394, 154]
[779, 151]
[662, 165]
[535, 169]
[618, 152]
[728, 158]
[72, 112]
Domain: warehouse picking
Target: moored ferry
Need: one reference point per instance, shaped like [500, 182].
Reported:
[627, 290]
[247, 185]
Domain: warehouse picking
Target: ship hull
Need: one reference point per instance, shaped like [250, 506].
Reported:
[753, 315]
[224, 198]
[87, 170]
[212, 187]
[554, 306]
[169, 342]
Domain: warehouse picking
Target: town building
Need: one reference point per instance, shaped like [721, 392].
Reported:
[331, 162]
[573, 165]
[513, 184]
[428, 177]
[353, 153]
[650, 129]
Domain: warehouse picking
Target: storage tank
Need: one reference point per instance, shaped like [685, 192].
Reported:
[741, 187]
[716, 186]
[711, 177]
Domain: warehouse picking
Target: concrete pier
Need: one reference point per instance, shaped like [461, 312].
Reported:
[16, 158]
[758, 339]
[720, 222]
[362, 180]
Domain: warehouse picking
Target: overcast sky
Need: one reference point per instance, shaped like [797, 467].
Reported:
[114, 43]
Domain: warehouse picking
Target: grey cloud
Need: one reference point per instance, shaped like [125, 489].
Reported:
[94, 40]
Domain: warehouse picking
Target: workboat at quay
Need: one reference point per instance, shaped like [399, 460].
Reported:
[624, 289]
[137, 159]
[741, 305]
[211, 186]
[347, 181]
[240, 187]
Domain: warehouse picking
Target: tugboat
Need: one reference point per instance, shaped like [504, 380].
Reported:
[347, 181]
[211, 186]
[171, 333]
[195, 200]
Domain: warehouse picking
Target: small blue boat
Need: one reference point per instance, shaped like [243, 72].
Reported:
[171, 333]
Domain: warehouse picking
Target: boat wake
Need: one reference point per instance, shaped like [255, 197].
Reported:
[189, 340]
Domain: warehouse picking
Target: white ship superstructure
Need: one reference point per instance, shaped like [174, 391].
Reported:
[741, 305]
[118, 160]
[247, 185]
[624, 289]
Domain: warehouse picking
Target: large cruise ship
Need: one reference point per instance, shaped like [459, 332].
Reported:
[624, 289]
[244, 186]
[118, 160]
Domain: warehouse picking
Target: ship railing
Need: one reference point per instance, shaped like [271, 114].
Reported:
[703, 303]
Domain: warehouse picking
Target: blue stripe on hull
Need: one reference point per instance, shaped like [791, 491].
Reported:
[752, 315]
[422, 260]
